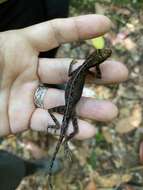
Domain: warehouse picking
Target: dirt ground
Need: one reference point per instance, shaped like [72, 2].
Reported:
[113, 159]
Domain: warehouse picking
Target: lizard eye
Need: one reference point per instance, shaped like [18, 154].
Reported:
[107, 52]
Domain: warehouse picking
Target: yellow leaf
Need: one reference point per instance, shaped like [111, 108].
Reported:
[98, 43]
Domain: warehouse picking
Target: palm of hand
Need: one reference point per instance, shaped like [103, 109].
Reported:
[18, 83]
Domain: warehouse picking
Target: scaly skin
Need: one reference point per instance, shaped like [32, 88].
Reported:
[73, 94]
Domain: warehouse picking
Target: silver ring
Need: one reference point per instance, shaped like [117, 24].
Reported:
[39, 96]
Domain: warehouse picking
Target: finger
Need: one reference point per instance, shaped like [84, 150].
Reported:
[55, 71]
[87, 107]
[41, 119]
[48, 35]
[99, 110]
[112, 72]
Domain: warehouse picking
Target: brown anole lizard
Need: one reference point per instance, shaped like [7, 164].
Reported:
[73, 92]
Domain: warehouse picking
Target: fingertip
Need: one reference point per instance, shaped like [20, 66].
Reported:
[125, 74]
[98, 24]
[113, 72]
[105, 21]
[113, 111]
[86, 130]
[107, 111]
[99, 110]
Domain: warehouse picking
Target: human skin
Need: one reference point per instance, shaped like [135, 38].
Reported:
[21, 71]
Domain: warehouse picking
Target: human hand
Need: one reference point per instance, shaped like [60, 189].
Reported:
[21, 71]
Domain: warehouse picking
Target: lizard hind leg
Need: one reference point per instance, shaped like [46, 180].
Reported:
[67, 150]
[58, 109]
[75, 129]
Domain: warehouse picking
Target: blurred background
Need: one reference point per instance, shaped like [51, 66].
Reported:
[113, 159]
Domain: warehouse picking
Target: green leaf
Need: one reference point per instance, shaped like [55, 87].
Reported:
[98, 43]
[92, 159]
[99, 138]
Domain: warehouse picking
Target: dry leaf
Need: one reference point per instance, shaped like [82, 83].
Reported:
[132, 122]
[136, 116]
[124, 126]
[91, 186]
[129, 44]
[112, 180]
[127, 187]
[107, 135]
[36, 151]
[100, 9]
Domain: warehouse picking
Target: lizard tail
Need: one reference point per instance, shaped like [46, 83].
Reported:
[53, 160]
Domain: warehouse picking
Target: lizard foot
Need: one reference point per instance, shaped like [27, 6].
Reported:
[54, 127]
[67, 152]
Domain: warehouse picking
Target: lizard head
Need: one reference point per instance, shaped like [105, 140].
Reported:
[104, 53]
[98, 56]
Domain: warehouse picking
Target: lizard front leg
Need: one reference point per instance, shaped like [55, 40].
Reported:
[98, 71]
[71, 67]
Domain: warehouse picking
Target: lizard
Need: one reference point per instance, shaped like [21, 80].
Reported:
[73, 92]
